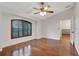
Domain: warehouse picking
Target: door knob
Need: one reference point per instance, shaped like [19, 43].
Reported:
[73, 32]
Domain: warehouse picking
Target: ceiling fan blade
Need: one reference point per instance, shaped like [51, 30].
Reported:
[50, 11]
[36, 8]
[36, 12]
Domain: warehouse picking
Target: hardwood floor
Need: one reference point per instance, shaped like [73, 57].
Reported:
[50, 47]
[45, 47]
[65, 45]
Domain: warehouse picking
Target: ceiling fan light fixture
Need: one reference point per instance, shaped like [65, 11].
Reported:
[42, 13]
[46, 8]
[43, 10]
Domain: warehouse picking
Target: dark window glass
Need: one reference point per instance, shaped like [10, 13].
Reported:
[20, 28]
[15, 29]
[25, 29]
[29, 29]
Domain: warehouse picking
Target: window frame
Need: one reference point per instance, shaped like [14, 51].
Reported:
[22, 28]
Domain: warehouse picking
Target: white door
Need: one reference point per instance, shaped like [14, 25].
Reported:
[72, 31]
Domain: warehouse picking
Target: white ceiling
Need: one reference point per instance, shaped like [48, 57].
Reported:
[26, 8]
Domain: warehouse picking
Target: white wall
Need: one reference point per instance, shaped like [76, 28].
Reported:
[51, 27]
[66, 24]
[39, 29]
[76, 40]
[5, 32]
[0, 25]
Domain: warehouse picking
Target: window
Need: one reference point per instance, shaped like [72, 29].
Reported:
[20, 28]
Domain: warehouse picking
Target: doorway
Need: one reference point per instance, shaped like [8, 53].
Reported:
[65, 26]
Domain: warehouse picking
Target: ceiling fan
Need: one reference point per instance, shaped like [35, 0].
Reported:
[43, 10]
